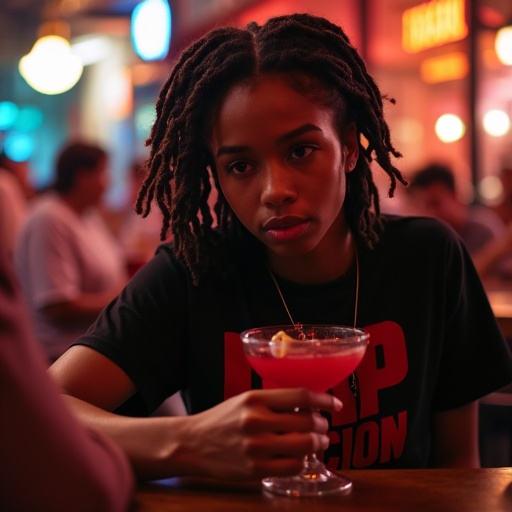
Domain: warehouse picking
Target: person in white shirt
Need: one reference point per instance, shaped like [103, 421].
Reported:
[70, 265]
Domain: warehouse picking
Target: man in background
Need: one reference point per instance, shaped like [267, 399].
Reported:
[70, 265]
[434, 193]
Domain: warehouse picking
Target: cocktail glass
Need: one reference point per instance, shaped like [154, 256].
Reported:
[316, 357]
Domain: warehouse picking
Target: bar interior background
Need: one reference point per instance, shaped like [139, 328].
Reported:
[437, 58]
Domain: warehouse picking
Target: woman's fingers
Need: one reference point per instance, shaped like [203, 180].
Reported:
[261, 419]
[261, 433]
[295, 398]
[286, 410]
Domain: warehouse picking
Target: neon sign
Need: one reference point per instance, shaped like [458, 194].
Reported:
[433, 24]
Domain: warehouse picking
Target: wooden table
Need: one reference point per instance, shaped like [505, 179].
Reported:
[416, 490]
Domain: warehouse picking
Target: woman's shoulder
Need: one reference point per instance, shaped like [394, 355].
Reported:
[165, 258]
[416, 227]
[48, 207]
[425, 236]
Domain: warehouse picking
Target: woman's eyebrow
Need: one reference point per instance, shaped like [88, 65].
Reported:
[308, 127]
[228, 150]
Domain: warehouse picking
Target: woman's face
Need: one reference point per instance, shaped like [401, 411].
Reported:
[281, 165]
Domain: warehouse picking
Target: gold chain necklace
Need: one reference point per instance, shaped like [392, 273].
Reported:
[352, 381]
[298, 325]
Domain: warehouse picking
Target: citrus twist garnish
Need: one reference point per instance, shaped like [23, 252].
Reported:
[279, 348]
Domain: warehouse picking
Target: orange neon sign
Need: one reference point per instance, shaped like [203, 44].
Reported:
[433, 24]
[450, 66]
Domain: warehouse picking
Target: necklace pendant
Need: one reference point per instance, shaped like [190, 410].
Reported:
[300, 330]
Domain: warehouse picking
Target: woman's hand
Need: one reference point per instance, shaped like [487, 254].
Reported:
[257, 434]
[252, 435]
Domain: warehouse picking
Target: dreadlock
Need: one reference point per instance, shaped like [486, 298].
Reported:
[179, 154]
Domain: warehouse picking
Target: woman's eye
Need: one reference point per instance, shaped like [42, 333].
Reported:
[239, 167]
[302, 151]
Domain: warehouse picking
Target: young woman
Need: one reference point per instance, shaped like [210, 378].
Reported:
[286, 119]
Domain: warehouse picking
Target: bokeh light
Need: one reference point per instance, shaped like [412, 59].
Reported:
[29, 118]
[490, 189]
[50, 67]
[503, 45]
[496, 123]
[8, 114]
[151, 27]
[449, 128]
[18, 146]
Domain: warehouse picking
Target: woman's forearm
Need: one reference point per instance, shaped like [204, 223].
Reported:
[151, 444]
[249, 436]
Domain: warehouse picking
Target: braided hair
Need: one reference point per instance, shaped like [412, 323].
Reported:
[179, 153]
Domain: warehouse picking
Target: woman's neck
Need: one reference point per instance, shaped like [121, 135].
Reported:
[331, 259]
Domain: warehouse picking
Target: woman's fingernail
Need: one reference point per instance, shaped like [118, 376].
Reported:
[338, 404]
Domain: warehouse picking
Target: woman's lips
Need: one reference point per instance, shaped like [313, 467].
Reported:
[285, 228]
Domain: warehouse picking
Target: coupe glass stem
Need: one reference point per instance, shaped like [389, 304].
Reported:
[310, 464]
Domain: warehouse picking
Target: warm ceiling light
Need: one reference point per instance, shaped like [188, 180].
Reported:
[449, 128]
[496, 123]
[51, 67]
[503, 45]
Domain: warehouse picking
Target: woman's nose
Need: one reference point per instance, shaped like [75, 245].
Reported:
[279, 186]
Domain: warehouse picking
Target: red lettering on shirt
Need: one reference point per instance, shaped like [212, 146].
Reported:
[237, 371]
[393, 436]
[375, 440]
[368, 442]
[384, 365]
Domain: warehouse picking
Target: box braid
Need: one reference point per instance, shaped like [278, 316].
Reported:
[299, 44]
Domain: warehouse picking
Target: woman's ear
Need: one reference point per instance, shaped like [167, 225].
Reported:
[350, 147]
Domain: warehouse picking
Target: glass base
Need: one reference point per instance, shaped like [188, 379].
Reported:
[314, 480]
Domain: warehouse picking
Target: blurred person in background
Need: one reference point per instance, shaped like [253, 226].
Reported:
[494, 262]
[70, 265]
[15, 192]
[434, 193]
[49, 462]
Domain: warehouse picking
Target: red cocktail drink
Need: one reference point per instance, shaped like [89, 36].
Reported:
[313, 371]
[316, 357]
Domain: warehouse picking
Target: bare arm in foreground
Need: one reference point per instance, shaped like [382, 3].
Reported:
[48, 461]
[249, 436]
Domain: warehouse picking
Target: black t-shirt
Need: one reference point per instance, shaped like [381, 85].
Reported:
[434, 342]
